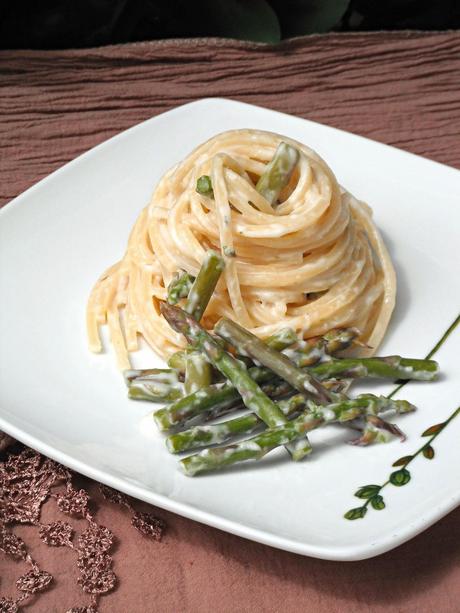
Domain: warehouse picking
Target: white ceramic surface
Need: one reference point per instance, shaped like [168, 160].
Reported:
[71, 405]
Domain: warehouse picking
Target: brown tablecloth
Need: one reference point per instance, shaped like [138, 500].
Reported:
[398, 88]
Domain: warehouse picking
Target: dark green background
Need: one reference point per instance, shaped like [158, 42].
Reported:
[53, 24]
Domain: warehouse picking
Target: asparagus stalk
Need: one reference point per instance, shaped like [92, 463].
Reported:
[377, 430]
[204, 285]
[223, 398]
[204, 186]
[390, 367]
[163, 375]
[259, 445]
[279, 340]
[178, 360]
[251, 394]
[251, 449]
[320, 349]
[200, 436]
[211, 402]
[145, 390]
[155, 385]
[218, 398]
[278, 172]
[282, 339]
[198, 372]
[179, 286]
[253, 397]
[215, 397]
[248, 343]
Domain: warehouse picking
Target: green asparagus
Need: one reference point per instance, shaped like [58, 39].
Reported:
[162, 387]
[390, 367]
[211, 402]
[278, 172]
[223, 398]
[282, 339]
[161, 375]
[198, 372]
[248, 343]
[178, 360]
[200, 436]
[252, 395]
[259, 445]
[251, 449]
[204, 285]
[203, 435]
[179, 286]
[279, 340]
[204, 186]
[377, 430]
[319, 349]
[155, 385]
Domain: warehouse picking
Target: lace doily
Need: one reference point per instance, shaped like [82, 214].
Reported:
[27, 480]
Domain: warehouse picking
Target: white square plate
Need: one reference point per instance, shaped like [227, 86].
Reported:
[57, 237]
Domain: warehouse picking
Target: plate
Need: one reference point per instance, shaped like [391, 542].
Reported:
[71, 405]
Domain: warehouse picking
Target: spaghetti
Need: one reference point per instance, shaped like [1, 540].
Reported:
[314, 262]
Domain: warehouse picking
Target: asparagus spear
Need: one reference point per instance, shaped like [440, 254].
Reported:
[204, 285]
[252, 395]
[251, 449]
[178, 360]
[259, 445]
[212, 401]
[179, 286]
[155, 385]
[248, 343]
[278, 172]
[219, 397]
[377, 430]
[224, 398]
[204, 186]
[280, 340]
[200, 436]
[198, 372]
[320, 349]
[162, 375]
[200, 339]
[390, 367]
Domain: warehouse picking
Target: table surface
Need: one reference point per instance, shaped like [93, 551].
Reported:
[398, 88]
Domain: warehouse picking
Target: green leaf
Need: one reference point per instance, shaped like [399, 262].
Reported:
[377, 503]
[298, 17]
[367, 491]
[400, 477]
[242, 19]
[357, 513]
[428, 452]
[434, 429]
[403, 461]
